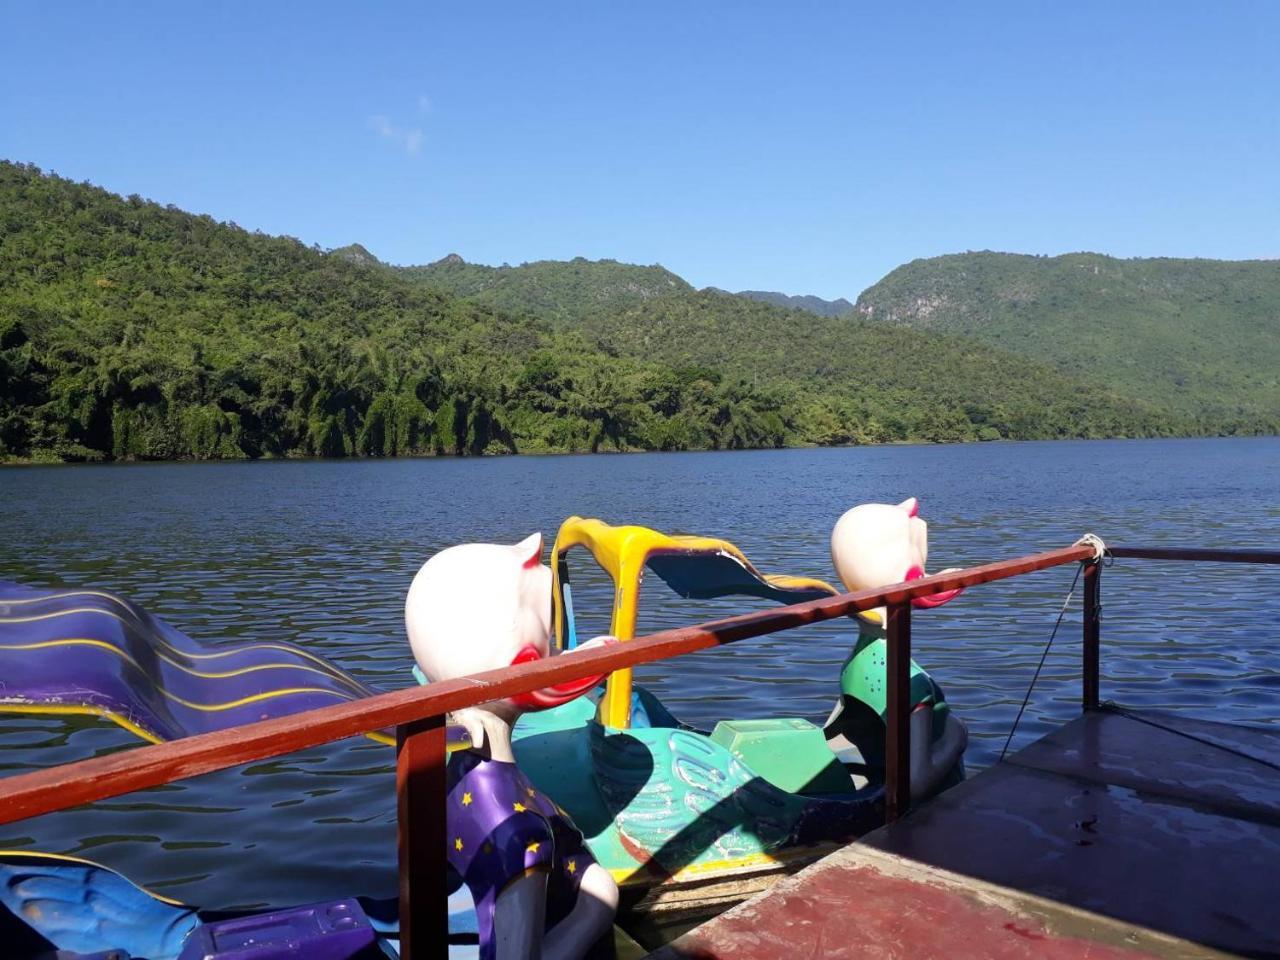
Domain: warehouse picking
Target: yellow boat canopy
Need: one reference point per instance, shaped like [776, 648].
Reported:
[694, 567]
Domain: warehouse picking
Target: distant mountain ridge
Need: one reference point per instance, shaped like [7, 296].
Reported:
[650, 313]
[1198, 338]
[557, 289]
[554, 290]
[355, 253]
[1201, 337]
[823, 308]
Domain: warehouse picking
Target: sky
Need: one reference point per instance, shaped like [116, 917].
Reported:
[803, 147]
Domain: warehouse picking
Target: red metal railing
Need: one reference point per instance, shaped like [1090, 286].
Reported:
[418, 714]
[1093, 596]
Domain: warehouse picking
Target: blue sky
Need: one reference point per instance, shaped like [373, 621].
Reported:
[802, 147]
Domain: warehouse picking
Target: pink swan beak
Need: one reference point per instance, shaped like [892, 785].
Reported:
[555, 695]
[933, 599]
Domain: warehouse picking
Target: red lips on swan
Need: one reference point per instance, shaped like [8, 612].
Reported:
[933, 599]
[552, 696]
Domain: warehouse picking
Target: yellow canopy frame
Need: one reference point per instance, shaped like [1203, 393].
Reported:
[693, 566]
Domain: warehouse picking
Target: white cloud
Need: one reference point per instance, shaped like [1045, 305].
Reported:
[424, 103]
[410, 139]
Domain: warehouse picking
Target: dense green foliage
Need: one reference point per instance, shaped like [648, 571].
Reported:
[553, 290]
[823, 308]
[1198, 337]
[879, 384]
[839, 379]
[132, 331]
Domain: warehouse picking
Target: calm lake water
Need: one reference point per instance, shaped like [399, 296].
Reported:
[321, 553]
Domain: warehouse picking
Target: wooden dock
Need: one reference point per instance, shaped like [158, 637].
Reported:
[1122, 834]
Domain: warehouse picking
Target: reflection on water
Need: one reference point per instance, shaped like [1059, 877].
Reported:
[322, 553]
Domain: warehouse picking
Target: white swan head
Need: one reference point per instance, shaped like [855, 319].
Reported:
[482, 606]
[877, 544]
[476, 606]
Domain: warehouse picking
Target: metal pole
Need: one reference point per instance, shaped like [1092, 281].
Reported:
[897, 750]
[1092, 633]
[420, 836]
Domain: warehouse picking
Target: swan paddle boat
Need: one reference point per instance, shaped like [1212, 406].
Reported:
[688, 821]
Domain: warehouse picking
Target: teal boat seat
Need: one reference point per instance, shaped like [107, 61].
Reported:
[790, 753]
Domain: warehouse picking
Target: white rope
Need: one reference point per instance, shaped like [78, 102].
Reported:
[1095, 541]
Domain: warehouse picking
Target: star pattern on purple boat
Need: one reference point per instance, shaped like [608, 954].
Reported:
[501, 827]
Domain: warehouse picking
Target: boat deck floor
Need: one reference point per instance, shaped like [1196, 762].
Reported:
[1121, 834]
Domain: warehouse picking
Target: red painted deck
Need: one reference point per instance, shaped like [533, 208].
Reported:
[1118, 835]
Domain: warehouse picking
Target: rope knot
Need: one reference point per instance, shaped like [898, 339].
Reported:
[1094, 541]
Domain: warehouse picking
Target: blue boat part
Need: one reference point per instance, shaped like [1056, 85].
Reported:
[571, 636]
[663, 800]
[84, 907]
[51, 903]
[318, 931]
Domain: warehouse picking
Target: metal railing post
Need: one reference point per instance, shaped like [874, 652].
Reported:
[1092, 634]
[897, 749]
[420, 838]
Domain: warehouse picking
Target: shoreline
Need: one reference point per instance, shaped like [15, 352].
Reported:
[105, 462]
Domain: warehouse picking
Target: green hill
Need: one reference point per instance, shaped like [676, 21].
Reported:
[875, 383]
[134, 331]
[890, 371]
[860, 381]
[1199, 337]
[824, 308]
[558, 291]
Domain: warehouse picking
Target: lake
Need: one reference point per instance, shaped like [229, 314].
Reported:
[321, 553]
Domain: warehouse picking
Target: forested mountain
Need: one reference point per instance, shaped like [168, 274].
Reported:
[558, 291]
[823, 308]
[878, 383]
[1196, 339]
[754, 337]
[563, 291]
[1199, 337]
[133, 331]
